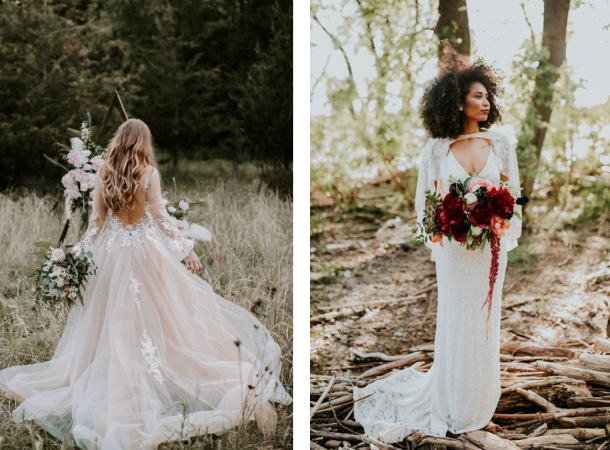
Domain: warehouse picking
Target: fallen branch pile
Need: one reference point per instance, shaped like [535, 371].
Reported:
[552, 398]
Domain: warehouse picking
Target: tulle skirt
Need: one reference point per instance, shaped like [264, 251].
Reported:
[154, 355]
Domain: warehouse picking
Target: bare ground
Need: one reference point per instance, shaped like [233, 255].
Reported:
[551, 295]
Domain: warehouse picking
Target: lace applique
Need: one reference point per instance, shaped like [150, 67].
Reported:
[131, 234]
[111, 239]
[176, 238]
[134, 287]
[90, 235]
[146, 183]
[199, 322]
[152, 361]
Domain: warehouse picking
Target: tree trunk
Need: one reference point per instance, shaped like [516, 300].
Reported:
[553, 39]
[453, 25]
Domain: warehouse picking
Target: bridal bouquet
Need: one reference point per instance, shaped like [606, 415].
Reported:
[178, 212]
[61, 275]
[84, 159]
[473, 212]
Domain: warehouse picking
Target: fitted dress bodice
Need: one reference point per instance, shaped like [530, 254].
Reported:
[452, 168]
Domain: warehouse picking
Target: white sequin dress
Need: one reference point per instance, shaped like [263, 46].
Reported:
[461, 390]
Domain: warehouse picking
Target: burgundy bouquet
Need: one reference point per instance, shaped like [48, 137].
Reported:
[473, 213]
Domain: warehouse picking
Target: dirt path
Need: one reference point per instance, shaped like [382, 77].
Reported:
[549, 295]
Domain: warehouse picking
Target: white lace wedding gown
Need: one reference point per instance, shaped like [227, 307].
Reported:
[154, 355]
[461, 390]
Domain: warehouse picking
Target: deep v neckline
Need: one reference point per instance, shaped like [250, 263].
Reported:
[464, 170]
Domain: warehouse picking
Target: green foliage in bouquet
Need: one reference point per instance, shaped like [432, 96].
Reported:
[62, 275]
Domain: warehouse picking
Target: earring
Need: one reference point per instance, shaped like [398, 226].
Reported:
[460, 108]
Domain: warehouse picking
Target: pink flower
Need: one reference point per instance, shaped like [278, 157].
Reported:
[184, 206]
[97, 162]
[73, 192]
[183, 224]
[480, 182]
[58, 255]
[77, 158]
[67, 180]
[80, 175]
[499, 225]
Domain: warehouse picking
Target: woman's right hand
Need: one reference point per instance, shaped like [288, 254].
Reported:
[193, 263]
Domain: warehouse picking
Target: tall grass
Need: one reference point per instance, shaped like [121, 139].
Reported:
[249, 262]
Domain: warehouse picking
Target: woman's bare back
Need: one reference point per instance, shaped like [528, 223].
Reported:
[132, 213]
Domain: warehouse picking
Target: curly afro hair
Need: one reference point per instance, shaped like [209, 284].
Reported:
[440, 104]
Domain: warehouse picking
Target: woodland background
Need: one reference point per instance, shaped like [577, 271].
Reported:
[213, 80]
[373, 290]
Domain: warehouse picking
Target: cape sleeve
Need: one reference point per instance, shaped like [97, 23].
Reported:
[428, 173]
[510, 168]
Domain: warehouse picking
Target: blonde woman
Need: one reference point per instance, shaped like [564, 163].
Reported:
[154, 355]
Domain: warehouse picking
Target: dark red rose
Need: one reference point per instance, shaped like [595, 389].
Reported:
[501, 203]
[479, 214]
[441, 219]
[459, 231]
[454, 208]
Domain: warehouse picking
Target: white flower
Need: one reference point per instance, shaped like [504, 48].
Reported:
[171, 209]
[476, 230]
[58, 255]
[57, 270]
[87, 153]
[87, 166]
[77, 144]
[184, 206]
[164, 202]
[470, 198]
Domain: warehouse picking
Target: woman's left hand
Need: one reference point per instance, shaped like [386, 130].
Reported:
[193, 263]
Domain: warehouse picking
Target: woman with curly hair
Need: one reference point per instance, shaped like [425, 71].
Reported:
[461, 390]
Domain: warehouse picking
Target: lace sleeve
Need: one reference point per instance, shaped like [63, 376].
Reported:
[510, 168]
[428, 173]
[96, 220]
[177, 244]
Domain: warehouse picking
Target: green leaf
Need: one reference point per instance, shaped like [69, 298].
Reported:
[515, 213]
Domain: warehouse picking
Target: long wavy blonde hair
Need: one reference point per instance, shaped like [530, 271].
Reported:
[128, 154]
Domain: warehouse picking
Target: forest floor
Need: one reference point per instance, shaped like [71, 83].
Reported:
[366, 267]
